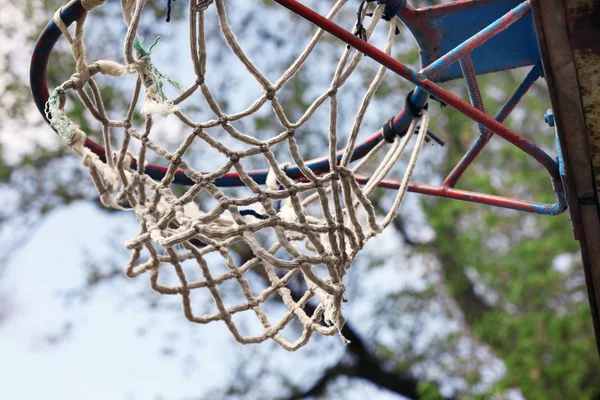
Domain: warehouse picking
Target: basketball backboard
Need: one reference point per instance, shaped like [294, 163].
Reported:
[569, 38]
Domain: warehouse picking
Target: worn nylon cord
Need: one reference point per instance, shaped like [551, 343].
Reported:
[320, 223]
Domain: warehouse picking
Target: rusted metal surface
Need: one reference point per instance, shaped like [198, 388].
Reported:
[475, 41]
[585, 42]
[441, 28]
[569, 36]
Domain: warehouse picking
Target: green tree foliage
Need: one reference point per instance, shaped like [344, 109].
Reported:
[538, 322]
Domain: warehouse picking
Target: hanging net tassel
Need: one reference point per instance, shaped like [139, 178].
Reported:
[287, 245]
[331, 307]
[156, 102]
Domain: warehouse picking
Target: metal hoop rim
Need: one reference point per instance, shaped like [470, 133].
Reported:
[74, 10]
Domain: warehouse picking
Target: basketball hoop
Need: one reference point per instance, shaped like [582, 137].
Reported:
[320, 211]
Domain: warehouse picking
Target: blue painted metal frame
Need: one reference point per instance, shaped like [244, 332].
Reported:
[501, 116]
[442, 29]
[445, 29]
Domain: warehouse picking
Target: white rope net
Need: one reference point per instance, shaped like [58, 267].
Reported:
[319, 225]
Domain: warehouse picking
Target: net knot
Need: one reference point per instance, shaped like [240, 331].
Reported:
[202, 5]
[184, 290]
[293, 190]
[142, 61]
[224, 203]
[253, 303]
[270, 93]
[143, 51]
[345, 172]
[333, 91]
[175, 159]
[302, 260]
[262, 197]
[304, 231]
[78, 81]
[327, 259]
[234, 157]
[202, 180]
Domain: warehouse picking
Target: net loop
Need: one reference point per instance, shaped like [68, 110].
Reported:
[77, 42]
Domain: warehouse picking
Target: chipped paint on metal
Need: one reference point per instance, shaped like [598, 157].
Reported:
[477, 40]
[588, 65]
[586, 54]
[441, 28]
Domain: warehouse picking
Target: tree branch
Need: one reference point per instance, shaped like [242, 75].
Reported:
[320, 385]
[365, 365]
